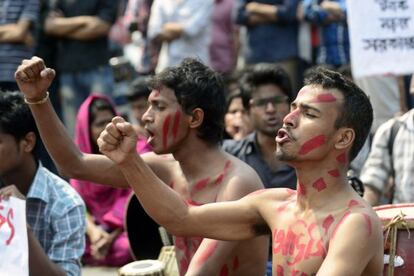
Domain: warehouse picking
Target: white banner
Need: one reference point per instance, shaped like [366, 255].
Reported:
[14, 251]
[381, 34]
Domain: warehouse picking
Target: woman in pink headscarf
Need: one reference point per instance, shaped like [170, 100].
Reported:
[107, 243]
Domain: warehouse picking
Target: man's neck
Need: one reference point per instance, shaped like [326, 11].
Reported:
[319, 183]
[22, 177]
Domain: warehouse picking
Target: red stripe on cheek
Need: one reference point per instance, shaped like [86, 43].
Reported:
[224, 270]
[165, 129]
[312, 144]
[327, 222]
[319, 184]
[334, 173]
[341, 158]
[236, 263]
[325, 98]
[176, 124]
[369, 224]
[207, 252]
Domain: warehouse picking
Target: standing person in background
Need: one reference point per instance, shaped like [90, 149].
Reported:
[330, 16]
[272, 33]
[224, 45]
[107, 243]
[183, 28]
[82, 28]
[237, 123]
[185, 125]
[137, 97]
[17, 38]
[55, 213]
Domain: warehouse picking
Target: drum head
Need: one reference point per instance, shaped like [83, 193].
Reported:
[144, 267]
[389, 211]
[143, 235]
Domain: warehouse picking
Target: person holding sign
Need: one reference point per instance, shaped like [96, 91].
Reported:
[55, 212]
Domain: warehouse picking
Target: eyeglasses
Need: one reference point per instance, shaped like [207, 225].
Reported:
[265, 101]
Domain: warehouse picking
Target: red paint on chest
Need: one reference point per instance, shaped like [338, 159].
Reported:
[319, 184]
[353, 203]
[327, 222]
[221, 176]
[347, 213]
[312, 144]
[280, 271]
[334, 173]
[200, 185]
[165, 128]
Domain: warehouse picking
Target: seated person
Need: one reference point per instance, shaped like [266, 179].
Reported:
[55, 212]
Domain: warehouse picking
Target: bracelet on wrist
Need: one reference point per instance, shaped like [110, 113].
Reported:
[41, 101]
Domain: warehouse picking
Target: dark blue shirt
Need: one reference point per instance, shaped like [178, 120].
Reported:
[248, 151]
[271, 42]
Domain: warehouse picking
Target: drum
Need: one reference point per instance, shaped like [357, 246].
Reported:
[143, 268]
[167, 256]
[142, 231]
[398, 220]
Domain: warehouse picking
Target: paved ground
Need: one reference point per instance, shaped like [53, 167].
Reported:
[99, 271]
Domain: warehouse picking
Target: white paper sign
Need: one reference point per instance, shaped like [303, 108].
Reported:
[14, 255]
[382, 36]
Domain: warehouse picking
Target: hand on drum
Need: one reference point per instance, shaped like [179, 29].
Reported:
[118, 140]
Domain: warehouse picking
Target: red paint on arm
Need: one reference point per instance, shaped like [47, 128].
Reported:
[176, 124]
[369, 224]
[207, 252]
[319, 184]
[334, 173]
[327, 222]
[312, 144]
[165, 128]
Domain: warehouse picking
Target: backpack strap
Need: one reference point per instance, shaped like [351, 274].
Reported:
[393, 133]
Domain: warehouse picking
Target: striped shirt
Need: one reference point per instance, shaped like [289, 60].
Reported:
[11, 54]
[377, 168]
[56, 213]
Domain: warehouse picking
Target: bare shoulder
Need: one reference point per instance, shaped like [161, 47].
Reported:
[162, 165]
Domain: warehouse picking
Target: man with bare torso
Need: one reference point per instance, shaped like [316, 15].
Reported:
[325, 228]
[184, 118]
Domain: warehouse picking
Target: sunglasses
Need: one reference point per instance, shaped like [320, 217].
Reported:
[265, 101]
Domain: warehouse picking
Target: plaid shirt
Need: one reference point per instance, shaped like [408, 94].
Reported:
[56, 214]
[377, 168]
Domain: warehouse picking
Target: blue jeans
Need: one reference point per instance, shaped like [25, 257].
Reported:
[75, 87]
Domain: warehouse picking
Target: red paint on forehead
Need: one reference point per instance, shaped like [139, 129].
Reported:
[312, 144]
[236, 263]
[334, 173]
[369, 224]
[207, 252]
[325, 98]
[165, 128]
[327, 222]
[341, 158]
[319, 184]
[176, 124]
[224, 270]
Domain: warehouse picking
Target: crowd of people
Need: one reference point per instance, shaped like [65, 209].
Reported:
[242, 130]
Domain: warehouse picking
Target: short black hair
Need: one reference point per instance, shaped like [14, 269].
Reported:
[140, 87]
[99, 104]
[197, 86]
[266, 73]
[356, 111]
[16, 118]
